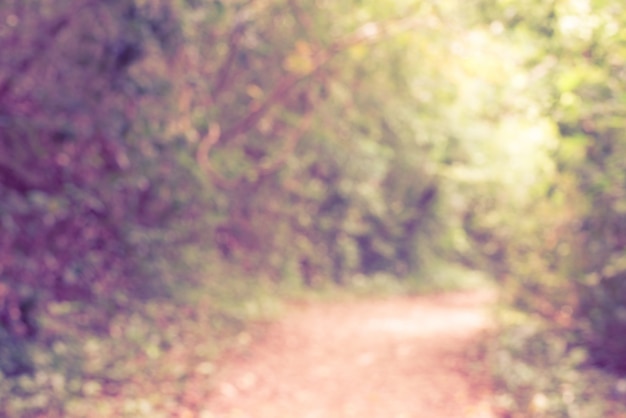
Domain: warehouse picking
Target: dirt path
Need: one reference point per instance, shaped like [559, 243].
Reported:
[396, 358]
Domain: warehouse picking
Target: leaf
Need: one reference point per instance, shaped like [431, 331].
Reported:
[570, 80]
[573, 148]
[358, 52]
[254, 91]
[300, 61]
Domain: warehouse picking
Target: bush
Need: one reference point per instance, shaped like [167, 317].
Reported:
[602, 315]
[541, 372]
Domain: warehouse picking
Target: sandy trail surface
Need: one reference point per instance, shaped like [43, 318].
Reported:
[392, 358]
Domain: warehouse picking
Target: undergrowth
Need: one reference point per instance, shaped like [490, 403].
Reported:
[539, 373]
[156, 361]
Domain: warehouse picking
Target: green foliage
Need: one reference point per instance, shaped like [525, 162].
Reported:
[307, 142]
[562, 262]
[309, 172]
[99, 208]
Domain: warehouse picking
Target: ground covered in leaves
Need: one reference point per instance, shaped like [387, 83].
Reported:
[390, 358]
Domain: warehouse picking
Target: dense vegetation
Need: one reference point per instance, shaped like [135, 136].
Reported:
[565, 261]
[151, 152]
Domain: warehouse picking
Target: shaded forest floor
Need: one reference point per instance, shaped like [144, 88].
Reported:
[391, 358]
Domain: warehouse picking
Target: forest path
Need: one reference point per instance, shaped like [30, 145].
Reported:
[408, 357]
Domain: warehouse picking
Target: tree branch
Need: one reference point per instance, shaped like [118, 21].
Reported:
[224, 71]
[202, 157]
[368, 33]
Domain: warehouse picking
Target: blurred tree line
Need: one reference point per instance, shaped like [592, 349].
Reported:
[142, 140]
